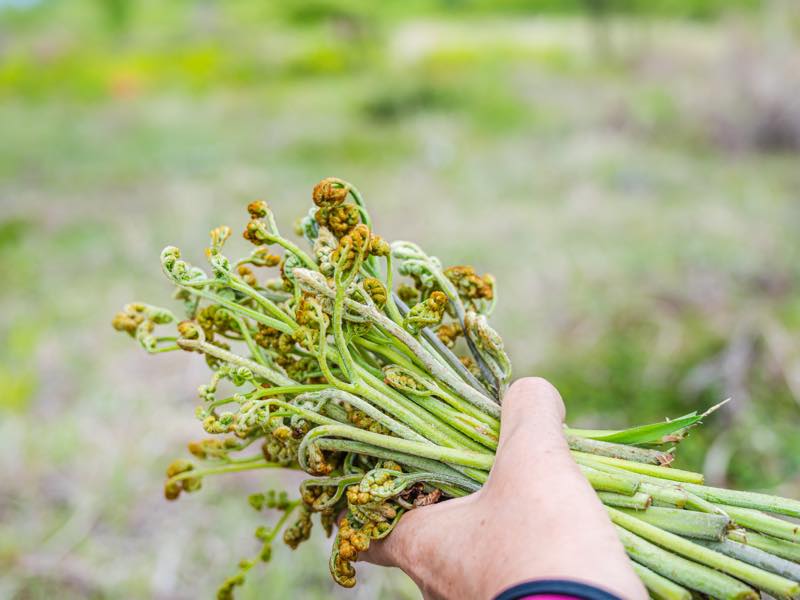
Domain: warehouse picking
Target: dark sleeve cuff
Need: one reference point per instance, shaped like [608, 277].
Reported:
[555, 587]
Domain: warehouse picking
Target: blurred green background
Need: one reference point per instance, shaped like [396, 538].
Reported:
[629, 170]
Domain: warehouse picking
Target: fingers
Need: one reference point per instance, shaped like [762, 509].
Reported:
[420, 530]
[392, 550]
[381, 552]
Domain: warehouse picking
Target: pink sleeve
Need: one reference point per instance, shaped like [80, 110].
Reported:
[548, 597]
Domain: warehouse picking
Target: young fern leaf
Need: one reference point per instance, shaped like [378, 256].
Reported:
[655, 433]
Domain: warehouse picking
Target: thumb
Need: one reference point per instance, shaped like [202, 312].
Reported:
[531, 428]
[532, 405]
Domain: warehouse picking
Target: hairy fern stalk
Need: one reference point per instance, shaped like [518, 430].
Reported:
[388, 394]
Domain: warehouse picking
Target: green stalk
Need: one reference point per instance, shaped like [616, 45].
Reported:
[431, 342]
[758, 521]
[308, 415]
[781, 548]
[366, 359]
[444, 393]
[248, 339]
[778, 586]
[671, 490]
[605, 482]
[397, 427]
[410, 460]
[391, 306]
[682, 571]
[435, 426]
[379, 336]
[324, 352]
[336, 412]
[455, 456]
[757, 558]
[660, 587]
[385, 350]
[163, 349]
[621, 451]
[664, 495]
[367, 365]
[276, 529]
[684, 522]
[765, 502]
[455, 300]
[280, 390]
[431, 478]
[251, 465]
[346, 363]
[639, 501]
[263, 371]
[280, 325]
[264, 302]
[476, 431]
[277, 238]
[394, 357]
[644, 469]
[429, 426]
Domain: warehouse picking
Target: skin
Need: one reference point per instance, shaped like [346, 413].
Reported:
[536, 518]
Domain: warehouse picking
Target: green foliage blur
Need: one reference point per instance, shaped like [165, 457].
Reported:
[628, 170]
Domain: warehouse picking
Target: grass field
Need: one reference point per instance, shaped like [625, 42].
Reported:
[633, 185]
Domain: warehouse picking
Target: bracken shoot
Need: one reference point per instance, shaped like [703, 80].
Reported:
[388, 394]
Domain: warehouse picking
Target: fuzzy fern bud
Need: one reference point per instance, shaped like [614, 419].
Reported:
[329, 192]
[426, 313]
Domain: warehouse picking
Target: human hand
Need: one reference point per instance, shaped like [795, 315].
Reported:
[536, 518]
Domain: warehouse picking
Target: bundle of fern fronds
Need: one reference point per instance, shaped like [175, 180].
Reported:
[388, 394]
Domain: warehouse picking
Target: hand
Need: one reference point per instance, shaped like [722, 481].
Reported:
[536, 518]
